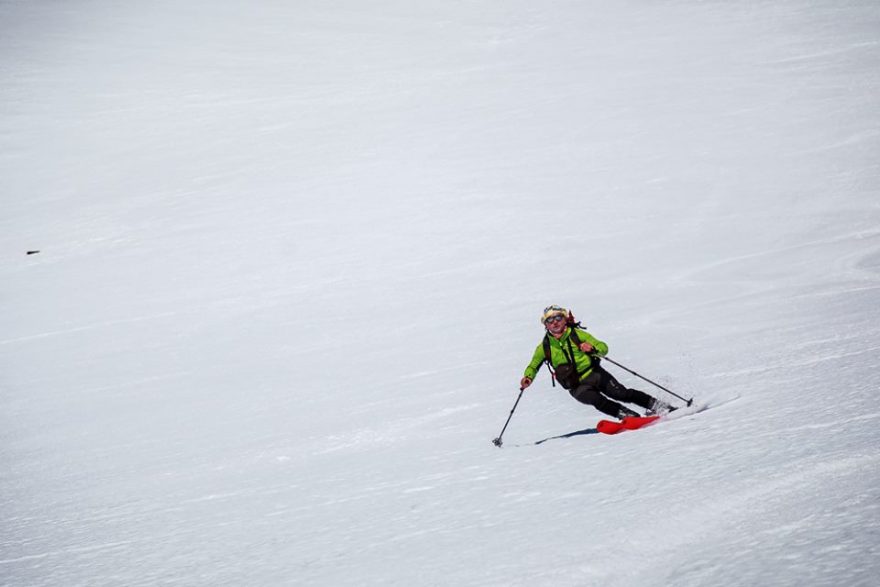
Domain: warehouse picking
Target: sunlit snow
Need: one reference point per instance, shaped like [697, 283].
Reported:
[292, 257]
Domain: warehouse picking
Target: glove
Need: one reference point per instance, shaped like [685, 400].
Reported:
[524, 382]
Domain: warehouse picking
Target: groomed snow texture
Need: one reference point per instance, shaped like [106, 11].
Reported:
[292, 256]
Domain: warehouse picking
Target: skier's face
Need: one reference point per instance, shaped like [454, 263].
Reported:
[555, 325]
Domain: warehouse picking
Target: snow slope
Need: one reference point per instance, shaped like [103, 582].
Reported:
[292, 257]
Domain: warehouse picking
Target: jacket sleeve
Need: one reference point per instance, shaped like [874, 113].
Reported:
[601, 347]
[535, 364]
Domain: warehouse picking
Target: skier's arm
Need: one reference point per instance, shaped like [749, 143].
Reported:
[535, 364]
[598, 347]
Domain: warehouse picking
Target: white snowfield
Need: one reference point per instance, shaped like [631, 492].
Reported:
[292, 257]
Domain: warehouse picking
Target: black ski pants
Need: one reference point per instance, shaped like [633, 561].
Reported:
[601, 383]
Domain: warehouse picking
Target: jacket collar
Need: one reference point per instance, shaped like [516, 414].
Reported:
[564, 337]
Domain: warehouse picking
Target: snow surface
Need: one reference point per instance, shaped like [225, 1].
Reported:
[292, 256]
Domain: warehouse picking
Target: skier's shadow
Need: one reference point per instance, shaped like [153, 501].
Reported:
[570, 435]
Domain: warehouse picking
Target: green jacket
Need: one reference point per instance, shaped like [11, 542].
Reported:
[558, 356]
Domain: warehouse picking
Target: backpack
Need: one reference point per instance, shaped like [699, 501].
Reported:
[567, 374]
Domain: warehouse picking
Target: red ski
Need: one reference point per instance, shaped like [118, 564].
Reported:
[630, 423]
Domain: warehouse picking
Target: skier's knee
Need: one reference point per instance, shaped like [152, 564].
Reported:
[586, 395]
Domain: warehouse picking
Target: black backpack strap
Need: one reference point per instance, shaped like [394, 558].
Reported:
[570, 356]
[546, 344]
[595, 360]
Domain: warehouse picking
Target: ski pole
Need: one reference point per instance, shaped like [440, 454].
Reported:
[497, 441]
[689, 401]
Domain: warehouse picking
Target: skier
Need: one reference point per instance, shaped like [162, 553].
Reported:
[574, 353]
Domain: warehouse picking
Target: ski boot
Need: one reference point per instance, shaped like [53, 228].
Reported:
[627, 413]
[660, 408]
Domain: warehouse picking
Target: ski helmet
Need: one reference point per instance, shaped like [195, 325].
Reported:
[551, 311]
